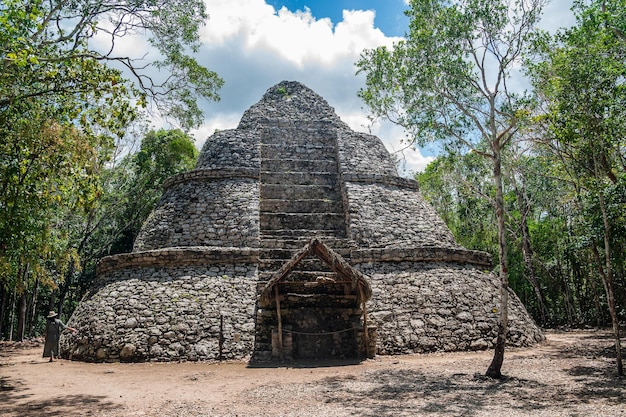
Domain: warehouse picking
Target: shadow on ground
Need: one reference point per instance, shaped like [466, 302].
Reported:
[405, 392]
[14, 402]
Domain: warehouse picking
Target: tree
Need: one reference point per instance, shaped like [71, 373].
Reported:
[460, 189]
[581, 80]
[64, 99]
[163, 153]
[57, 48]
[131, 189]
[46, 167]
[449, 82]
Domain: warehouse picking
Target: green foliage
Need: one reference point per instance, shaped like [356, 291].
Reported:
[460, 190]
[47, 52]
[448, 80]
[64, 101]
[46, 167]
[569, 191]
[581, 81]
[163, 154]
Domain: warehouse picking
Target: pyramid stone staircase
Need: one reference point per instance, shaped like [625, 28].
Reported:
[300, 191]
[301, 198]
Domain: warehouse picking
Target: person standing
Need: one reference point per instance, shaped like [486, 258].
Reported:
[54, 327]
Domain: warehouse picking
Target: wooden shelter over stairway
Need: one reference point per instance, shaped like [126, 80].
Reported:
[330, 306]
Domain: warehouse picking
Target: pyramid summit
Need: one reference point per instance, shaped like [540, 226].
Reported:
[293, 238]
[293, 101]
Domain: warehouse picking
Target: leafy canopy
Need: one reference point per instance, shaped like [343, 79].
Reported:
[58, 48]
[64, 99]
[449, 80]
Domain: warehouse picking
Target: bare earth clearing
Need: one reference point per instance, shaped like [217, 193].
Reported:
[572, 374]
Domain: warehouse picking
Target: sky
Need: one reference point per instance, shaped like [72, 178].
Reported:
[255, 44]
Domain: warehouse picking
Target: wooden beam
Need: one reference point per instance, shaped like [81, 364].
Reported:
[366, 336]
[280, 324]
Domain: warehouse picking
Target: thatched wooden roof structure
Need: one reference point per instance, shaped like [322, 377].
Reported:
[332, 259]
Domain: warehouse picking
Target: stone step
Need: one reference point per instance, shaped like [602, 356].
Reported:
[298, 165]
[301, 206]
[303, 234]
[286, 253]
[311, 221]
[295, 243]
[304, 151]
[312, 263]
[299, 192]
[299, 135]
[299, 178]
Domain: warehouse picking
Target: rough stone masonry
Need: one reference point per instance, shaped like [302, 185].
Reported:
[224, 268]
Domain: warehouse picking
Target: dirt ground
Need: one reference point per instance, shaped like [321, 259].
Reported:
[571, 374]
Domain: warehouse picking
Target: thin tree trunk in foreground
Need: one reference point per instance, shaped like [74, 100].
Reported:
[495, 368]
[21, 317]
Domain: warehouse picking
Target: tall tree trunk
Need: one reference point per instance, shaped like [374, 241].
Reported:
[495, 368]
[52, 300]
[21, 317]
[527, 252]
[23, 306]
[606, 272]
[12, 320]
[4, 295]
[568, 300]
[64, 288]
[61, 298]
[32, 310]
[596, 300]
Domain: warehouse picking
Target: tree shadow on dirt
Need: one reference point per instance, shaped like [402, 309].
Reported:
[408, 393]
[14, 402]
[595, 345]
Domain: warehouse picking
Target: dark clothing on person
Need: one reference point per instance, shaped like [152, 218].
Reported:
[54, 327]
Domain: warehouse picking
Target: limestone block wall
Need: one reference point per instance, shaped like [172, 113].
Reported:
[360, 153]
[167, 313]
[230, 149]
[204, 208]
[386, 215]
[287, 103]
[427, 307]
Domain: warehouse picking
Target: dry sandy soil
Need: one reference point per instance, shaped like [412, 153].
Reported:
[572, 374]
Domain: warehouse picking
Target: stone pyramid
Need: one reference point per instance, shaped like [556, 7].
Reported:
[293, 238]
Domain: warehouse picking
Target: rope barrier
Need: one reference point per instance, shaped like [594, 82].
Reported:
[318, 333]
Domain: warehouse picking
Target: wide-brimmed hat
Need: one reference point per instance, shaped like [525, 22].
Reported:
[51, 314]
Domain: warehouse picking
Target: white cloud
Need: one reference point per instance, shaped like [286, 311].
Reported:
[253, 46]
[557, 15]
[213, 124]
[295, 37]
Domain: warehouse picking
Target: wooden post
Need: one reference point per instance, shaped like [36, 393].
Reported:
[280, 323]
[221, 339]
[366, 337]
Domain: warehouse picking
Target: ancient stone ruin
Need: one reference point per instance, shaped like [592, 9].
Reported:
[294, 238]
